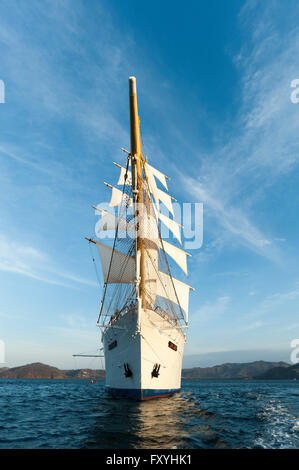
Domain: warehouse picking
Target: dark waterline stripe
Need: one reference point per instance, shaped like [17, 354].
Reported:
[142, 394]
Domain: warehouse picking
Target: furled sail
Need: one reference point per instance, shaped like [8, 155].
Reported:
[151, 261]
[148, 231]
[121, 269]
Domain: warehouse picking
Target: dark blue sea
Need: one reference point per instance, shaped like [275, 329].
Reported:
[205, 414]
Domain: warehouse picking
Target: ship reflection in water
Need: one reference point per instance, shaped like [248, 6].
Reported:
[205, 414]
[155, 424]
[158, 423]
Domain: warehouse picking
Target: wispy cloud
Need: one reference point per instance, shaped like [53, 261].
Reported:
[270, 304]
[67, 115]
[41, 75]
[28, 261]
[26, 161]
[211, 310]
[231, 218]
[262, 143]
[50, 91]
[74, 320]
[10, 316]
[254, 325]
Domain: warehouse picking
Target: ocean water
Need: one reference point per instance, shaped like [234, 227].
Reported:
[205, 414]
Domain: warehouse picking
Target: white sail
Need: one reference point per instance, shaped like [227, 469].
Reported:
[150, 171]
[153, 188]
[171, 225]
[122, 177]
[148, 231]
[180, 295]
[166, 199]
[143, 310]
[178, 255]
[161, 177]
[151, 261]
[152, 185]
[118, 198]
[118, 271]
[112, 222]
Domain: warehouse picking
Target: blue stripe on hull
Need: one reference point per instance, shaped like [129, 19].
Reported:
[142, 394]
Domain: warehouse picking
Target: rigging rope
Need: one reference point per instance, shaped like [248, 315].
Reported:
[95, 266]
[116, 295]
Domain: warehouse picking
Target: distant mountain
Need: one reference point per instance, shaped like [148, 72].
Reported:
[84, 374]
[241, 355]
[257, 369]
[38, 370]
[279, 373]
[232, 370]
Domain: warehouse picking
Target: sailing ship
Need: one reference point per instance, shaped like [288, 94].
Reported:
[144, 310]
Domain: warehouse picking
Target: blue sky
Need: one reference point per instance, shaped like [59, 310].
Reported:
[214, 92]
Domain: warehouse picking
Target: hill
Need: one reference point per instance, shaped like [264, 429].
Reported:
[232, 370]
[38, 370]
[280, 373]
[84, 374]
[257, 369]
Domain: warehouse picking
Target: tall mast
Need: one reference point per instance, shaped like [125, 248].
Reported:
[137, 180]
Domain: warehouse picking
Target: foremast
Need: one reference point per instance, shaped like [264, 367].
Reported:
[135, 269]
[137, 184]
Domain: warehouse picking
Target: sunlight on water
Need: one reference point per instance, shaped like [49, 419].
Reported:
[205, 414]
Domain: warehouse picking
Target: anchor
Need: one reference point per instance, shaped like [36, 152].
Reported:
[128, 372]
[155, 371]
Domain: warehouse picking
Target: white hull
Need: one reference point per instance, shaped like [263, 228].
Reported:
[139, 353]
